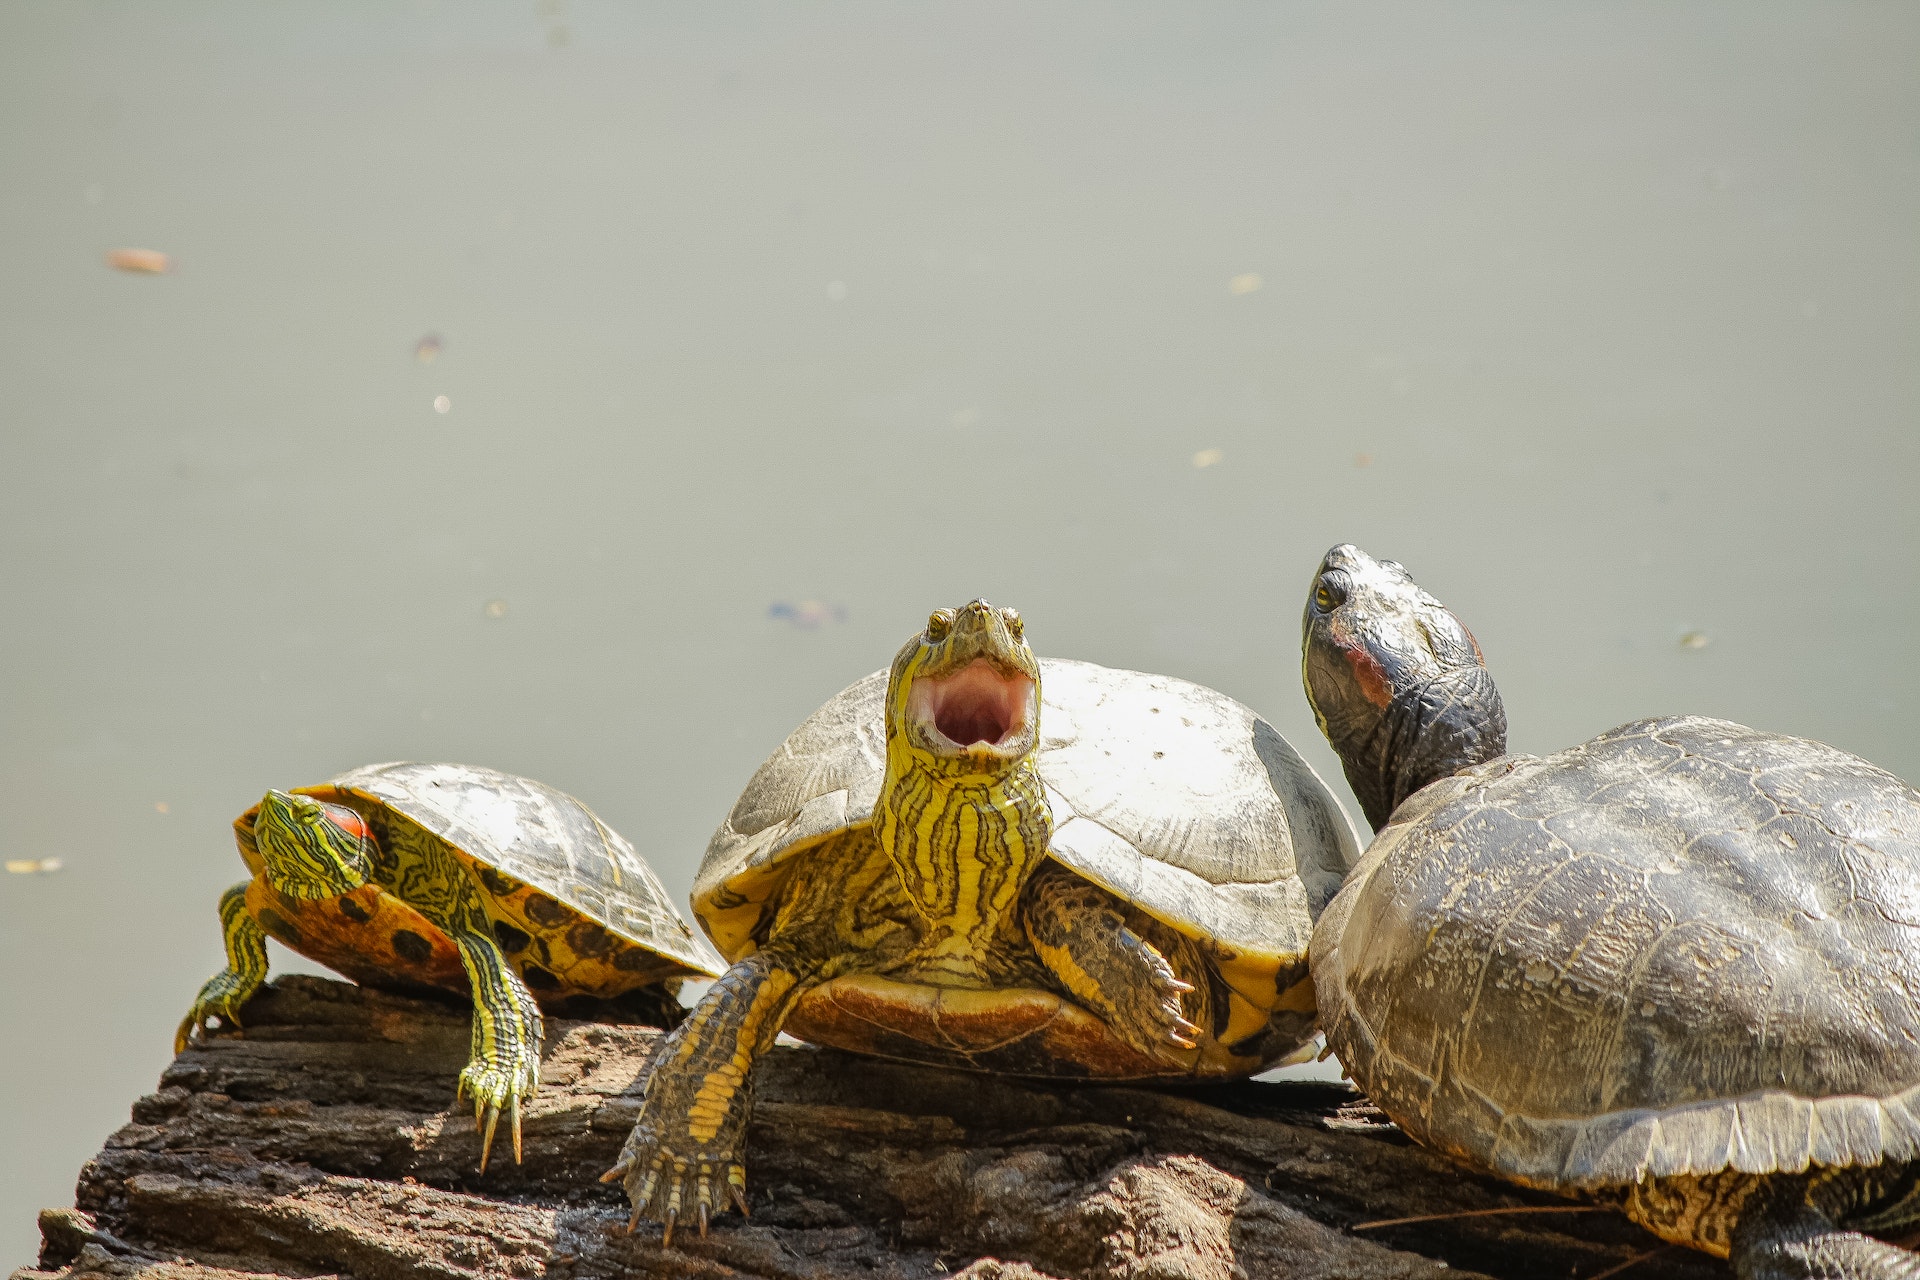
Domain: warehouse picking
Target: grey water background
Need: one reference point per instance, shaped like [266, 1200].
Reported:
[766, 329]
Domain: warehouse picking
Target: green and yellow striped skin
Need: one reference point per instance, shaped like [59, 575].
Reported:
[939, 931]
[343, 878]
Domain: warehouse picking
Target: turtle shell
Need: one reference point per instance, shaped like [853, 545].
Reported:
[548, 866]
[1168, 794]
[1681, 948]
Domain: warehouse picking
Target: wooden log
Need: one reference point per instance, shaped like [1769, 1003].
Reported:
[323, 1140]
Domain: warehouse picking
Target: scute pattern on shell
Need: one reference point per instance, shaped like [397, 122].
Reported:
[1169, 794]
[545, 838]
[1682, 947]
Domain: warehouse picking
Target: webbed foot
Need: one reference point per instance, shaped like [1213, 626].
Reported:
[670, 1175]
[1081, 933]
[497, 1089]
[1147, 1013]
[220, 998]
[222, 995]
[683, 1159]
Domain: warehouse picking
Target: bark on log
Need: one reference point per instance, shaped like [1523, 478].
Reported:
[323, 1141]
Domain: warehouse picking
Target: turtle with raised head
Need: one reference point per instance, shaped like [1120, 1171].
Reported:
[1676, 967]
[1112, 879]
[460, 879]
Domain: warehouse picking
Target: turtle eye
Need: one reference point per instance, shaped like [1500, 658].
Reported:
[939, 622]
[1014, 624]
[1329, 595]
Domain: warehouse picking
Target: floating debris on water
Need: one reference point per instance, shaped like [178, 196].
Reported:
[1362, 459]
[149, 262]
[1695, 640]
[1242, 284]
[807, 615]
[496, 608]
[1208, 458]
[33, 866]
[427, 348]
[161, 806]
[441, 404]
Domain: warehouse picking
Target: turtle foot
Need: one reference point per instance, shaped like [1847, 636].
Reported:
[221, 998]
[497, 1089]
[668, 1182]
[1149, 1014]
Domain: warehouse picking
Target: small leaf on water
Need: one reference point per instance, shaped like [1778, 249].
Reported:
[149, 262]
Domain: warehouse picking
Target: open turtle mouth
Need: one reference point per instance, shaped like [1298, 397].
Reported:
[978, 705]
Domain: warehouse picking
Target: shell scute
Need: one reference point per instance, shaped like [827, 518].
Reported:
[1733, 921]
[1170, 795]
[537, 849]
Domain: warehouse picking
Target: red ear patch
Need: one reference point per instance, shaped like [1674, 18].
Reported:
[348, 821]
[1367, 671]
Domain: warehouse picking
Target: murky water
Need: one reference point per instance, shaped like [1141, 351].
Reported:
[761, 331]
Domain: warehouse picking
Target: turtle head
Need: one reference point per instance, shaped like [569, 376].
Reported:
[963, 696]
[311, 849]
[1396, 682]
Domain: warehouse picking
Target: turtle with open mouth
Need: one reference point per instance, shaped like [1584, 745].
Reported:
[922, 871]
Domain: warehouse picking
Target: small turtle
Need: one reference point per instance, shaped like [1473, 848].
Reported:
[460, 879]
[1675, 968]
[919, 873]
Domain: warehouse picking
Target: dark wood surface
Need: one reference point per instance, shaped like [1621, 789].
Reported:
[324, 1141]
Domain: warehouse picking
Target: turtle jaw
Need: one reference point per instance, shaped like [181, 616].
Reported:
[982, 713]
[964, 695]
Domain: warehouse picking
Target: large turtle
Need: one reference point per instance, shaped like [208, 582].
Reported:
[930, 868]
[1676, 967]
[461, 879]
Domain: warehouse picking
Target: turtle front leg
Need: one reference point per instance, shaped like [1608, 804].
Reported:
[684, 1153]
[233, 986]
[508, 1031]
[1081, 935]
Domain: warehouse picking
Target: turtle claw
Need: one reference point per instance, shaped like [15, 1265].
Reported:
[496, 1092]
[671, 1188]
[486, 1139]
[220, 998]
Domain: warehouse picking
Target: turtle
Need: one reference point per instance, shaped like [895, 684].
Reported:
[1111, 880]
[459, 879]
[1674, 969]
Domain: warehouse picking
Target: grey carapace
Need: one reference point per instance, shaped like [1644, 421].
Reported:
[1674, 967]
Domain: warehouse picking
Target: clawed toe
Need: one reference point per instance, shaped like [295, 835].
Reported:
[494, 1096]
[670, 1188]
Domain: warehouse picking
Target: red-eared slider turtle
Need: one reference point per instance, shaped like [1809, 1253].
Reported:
[459, 878]
[1676, 967]
[930, 868]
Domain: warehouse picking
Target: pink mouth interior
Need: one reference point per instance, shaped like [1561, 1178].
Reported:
[977, 703]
